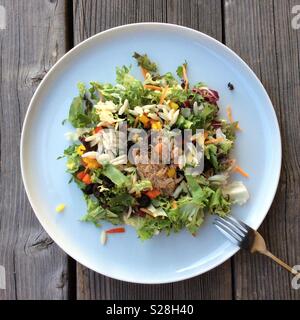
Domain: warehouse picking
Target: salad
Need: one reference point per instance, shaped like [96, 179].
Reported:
[152, 154]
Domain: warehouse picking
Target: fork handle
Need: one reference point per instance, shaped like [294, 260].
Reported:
[280, 262]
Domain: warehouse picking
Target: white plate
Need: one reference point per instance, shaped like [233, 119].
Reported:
[125, 257]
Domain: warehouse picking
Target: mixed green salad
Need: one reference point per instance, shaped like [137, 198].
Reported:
[164, 196]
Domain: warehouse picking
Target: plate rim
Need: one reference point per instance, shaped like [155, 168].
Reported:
[231, 250]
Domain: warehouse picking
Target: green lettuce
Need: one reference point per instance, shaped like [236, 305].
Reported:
[96, 213]
[114, 174]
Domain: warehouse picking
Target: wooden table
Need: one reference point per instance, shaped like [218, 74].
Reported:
[38, 33]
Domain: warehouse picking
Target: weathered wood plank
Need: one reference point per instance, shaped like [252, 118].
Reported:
[35, 37]
[261, 33]
[91, 17]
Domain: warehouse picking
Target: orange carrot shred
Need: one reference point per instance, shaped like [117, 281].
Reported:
[136, 121]
[163, 95]
[205, 134]
[230, 117]
[214, 141]
[152, 87]
[241, 171]
[144, 72]
[229, 114]
[116, 230]
[185, 78]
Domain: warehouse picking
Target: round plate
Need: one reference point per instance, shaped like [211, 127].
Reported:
[125, 257]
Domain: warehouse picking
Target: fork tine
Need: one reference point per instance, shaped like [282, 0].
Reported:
[239, 223]
[233, 226]
[228, 236]
[234, 237]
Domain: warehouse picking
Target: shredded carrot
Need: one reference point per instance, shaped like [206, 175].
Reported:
[230, 117]
[205, 135]
[136, 121]
[163, 95]
[241, 171]
[115, 230]
[144, 72]
[174, 204]
[185, 78]
[152, 87]
[229, 114]
[214, 141]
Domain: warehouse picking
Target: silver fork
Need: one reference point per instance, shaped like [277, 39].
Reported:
[247, 238]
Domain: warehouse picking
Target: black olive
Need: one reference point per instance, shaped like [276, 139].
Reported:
[179, 171]
[207, 165]
[107, 182]
[88, 189]
[144, 201]
[230, 86]
[96, 191]
[130, 143]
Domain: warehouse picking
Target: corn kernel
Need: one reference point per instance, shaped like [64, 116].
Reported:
[173, 105]
[80, 149]
[60, 208]
[156, 125]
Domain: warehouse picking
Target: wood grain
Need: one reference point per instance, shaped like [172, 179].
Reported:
[261, 33]
[91, 17]
[34, 39]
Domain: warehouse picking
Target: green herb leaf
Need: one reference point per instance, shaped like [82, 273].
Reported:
[144, 62]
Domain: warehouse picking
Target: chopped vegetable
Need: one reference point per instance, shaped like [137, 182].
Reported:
[145, 120]
[80, 150]
[163, 95]
[152, 87]
[171, 172]
[86, 179]
[185, 78]
[103, 237]
[80, 175]
[241, 171]
[152, 194]
[237, 192]
[91, 163]
[115, 175]
[115, 230]
[144, 72]
[60, 207]
[174, 105]
[214, 141]
[156, 125]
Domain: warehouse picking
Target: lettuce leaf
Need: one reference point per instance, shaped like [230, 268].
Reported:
[114, 174]
[144, 62]
[96, 213]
